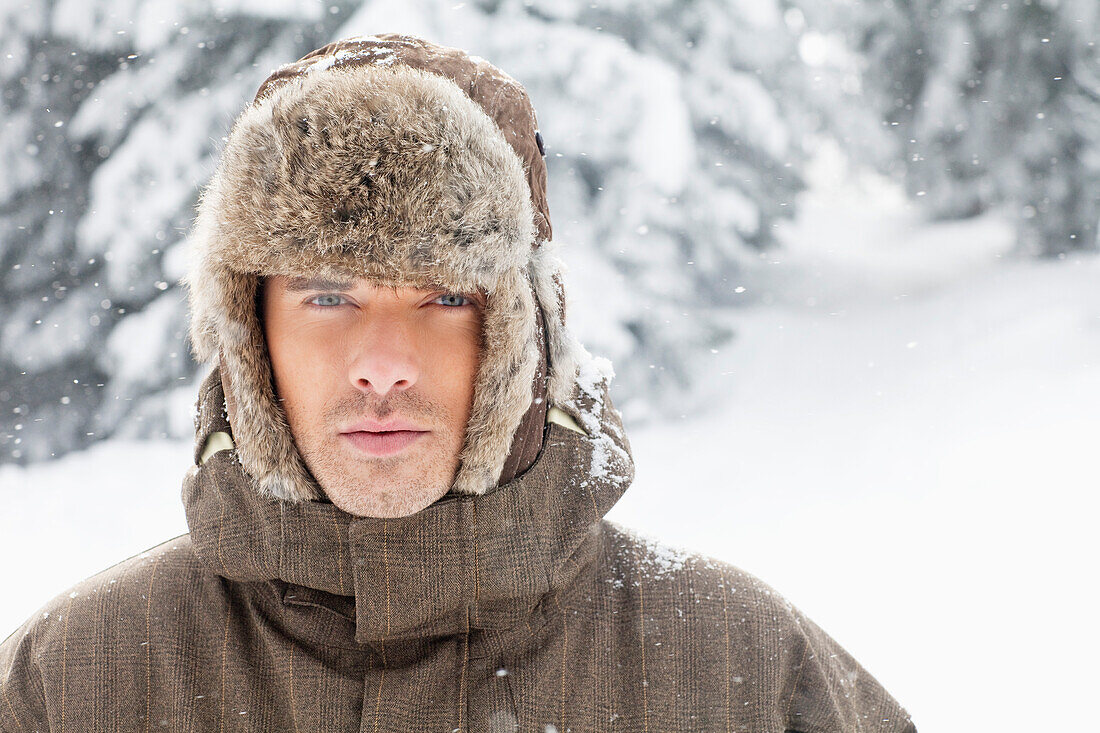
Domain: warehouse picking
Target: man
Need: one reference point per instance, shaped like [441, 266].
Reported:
[402, 464]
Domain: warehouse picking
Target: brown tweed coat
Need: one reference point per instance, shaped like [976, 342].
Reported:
[521, 609]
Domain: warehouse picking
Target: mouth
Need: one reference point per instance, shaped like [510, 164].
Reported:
[383, 442]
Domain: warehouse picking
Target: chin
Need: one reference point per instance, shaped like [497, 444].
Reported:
[389, 502]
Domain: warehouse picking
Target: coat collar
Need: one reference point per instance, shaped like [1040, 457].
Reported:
[464, 562]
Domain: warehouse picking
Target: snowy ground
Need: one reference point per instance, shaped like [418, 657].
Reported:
[905, 451]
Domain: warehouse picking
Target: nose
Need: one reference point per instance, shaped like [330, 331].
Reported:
[386, 359]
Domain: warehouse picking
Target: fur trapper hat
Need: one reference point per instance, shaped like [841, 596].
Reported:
[393, 159]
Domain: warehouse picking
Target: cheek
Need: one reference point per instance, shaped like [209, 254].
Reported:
[452, 352]
[303, 356]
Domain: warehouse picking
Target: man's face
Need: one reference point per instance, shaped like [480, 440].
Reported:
[377, 384]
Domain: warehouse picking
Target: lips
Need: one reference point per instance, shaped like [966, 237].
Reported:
[378, 426]
[383, 443]
[382, 438]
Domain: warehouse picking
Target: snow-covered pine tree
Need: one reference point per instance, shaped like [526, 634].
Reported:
[113, 111]
[989, 103]
[698, 164]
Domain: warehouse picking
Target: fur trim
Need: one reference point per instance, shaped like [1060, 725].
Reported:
[503, 387]
[566, 352]
[386, 173]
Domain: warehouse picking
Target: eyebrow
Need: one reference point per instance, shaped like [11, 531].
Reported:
[299, 284]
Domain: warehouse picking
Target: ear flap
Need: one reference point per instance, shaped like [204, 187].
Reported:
[502, 390]
[265, 445]
[565, 352]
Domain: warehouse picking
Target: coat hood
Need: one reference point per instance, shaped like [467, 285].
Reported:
[466, 561]
[406, 163]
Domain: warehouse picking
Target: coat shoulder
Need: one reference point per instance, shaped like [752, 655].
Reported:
[171, 561]
[163, 567]
[81, 628]
[741, 630]
[166, 585]
[711, 585]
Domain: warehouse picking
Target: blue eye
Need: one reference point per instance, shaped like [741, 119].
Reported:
[451, 298]
[327, 300]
